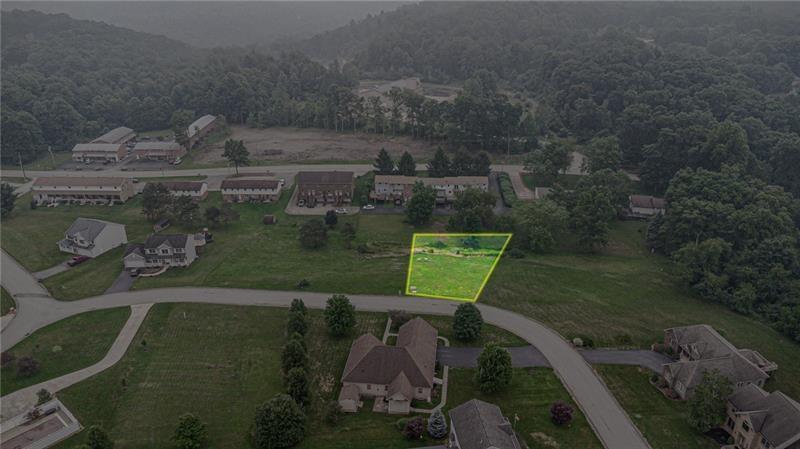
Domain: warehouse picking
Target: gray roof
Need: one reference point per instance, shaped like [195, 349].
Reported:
[775, 416]
[734, 367]
[113, 136]
[96, 147]
[199, 124]
[702, 341]
[481, 425]
[325, 177]
[87, 228]
[157, 146]
[173, 240]
[646, 201]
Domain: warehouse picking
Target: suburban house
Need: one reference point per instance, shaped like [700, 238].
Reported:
[476, 424]
[643, 206]
[200, 128]
[260, 190]
[90, 237]
[161, 250]
[196, 190]
[400, 188]
[159, 151]
[394, 375]
[98, 152]
[84, 190]
[325, 187]
[700, 348]
[119, 135]
[760, 420]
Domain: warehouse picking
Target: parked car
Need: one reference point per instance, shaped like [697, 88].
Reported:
[368, 207]
[134, 272]
[341, 210]
[77, 260]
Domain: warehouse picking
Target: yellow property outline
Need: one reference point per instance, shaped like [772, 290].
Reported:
[473, 234]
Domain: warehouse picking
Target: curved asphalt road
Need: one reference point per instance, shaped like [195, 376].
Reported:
[606, 416]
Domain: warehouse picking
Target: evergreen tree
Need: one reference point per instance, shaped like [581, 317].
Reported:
[296, 323]
[439, 166]
[294, 356]
[384, 165]
[437, 425]
[7, 198]
[340, 315]
[191, 433]
[279, 423]
[97, 438]
[494, 369]
[467, 322]
[407, 166]
[297, 385]
[298, 306]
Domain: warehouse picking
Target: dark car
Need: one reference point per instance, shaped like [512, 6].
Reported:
[77, 260]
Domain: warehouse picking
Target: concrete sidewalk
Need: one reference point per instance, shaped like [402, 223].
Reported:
[22, 400]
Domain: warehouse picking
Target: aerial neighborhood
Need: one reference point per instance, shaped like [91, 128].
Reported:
[369, 225]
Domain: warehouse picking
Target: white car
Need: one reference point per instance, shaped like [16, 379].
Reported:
[368, 207]
[341, 210]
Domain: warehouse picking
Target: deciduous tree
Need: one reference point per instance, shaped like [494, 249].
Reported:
[279, 423]
[419, 209]
[340, 315]
[467, 322]
[313, 234]
[707, 404]
[494, 368]
[191, 432]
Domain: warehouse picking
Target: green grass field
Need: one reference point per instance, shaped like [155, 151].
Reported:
[6, 302]
[662, 421]
[65, 346]
[447, 266]
[221, 362]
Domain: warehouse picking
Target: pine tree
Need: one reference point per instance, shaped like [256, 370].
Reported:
[407, 166]
[384, 165]
[439, 166]
[437, 425]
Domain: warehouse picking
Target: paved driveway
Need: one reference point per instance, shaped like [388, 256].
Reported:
[521, 357]
[52, 271]
[639, 357]
[122, 283]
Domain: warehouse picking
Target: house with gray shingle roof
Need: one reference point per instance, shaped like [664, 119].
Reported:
[199, 128]
[700, 348]
[760, 420]
[394, 374]
[476, 424]
[119, 135]
[161, 250]
[90, 237]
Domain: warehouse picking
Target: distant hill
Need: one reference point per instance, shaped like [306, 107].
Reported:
[218, 24]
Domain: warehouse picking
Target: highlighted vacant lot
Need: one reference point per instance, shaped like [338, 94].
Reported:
[453, 266]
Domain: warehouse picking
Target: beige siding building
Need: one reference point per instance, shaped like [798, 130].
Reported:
[121, 135]
[325, 187]
[250, 189]
[760, 420]
[159, 151]
[90, 237]
[98, 152]
[200, 128]
[400, 188]
[196, 190]
[93, 190]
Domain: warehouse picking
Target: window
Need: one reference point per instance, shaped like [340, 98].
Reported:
[165, 251]
[745, 427]
[729, 423]
[369, 387]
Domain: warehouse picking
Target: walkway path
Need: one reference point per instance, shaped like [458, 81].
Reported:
[21, 400]
[606, 416]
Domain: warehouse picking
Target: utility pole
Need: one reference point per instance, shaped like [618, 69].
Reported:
[52, 157]
[21, 167]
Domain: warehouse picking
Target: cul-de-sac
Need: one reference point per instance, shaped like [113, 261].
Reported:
[396, 225]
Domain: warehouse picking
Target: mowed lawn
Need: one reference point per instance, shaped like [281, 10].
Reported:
[449, 269]
[529, 397]
[624, 297]
[65, 346]
[221, 362]
[6, 301]
[662, 421]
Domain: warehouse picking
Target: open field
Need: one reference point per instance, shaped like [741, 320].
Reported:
[452, 266]
[44, 162]
[294, 145]
[6, 302]
[221, 362]
[65, 346]
[529, 396]
[662, 421]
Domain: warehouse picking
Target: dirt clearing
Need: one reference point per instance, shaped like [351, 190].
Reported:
[300, 145]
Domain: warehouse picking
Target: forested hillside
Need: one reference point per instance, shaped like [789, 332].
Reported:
[66, 79]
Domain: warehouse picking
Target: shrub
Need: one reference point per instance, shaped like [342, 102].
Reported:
[296, 324]
[437, 425]
[27, 366]
[97, 438]
[659, 348]
[313, 234]
[190, 433]
[333, 411]
[494, 369]
[303, 284]
[560, 413]
[6, 359]
[399, 317]
[516, 253]
[400, 424]
[293, 356]
[43, 396]
[297, 385]
[298, 306]
[298, 338]
[33, 204]
[33, 415]
[414, 428]
[279, 423]
[340, 315]
[467, 322]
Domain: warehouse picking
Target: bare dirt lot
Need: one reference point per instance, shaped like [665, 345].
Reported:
[301, 145]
